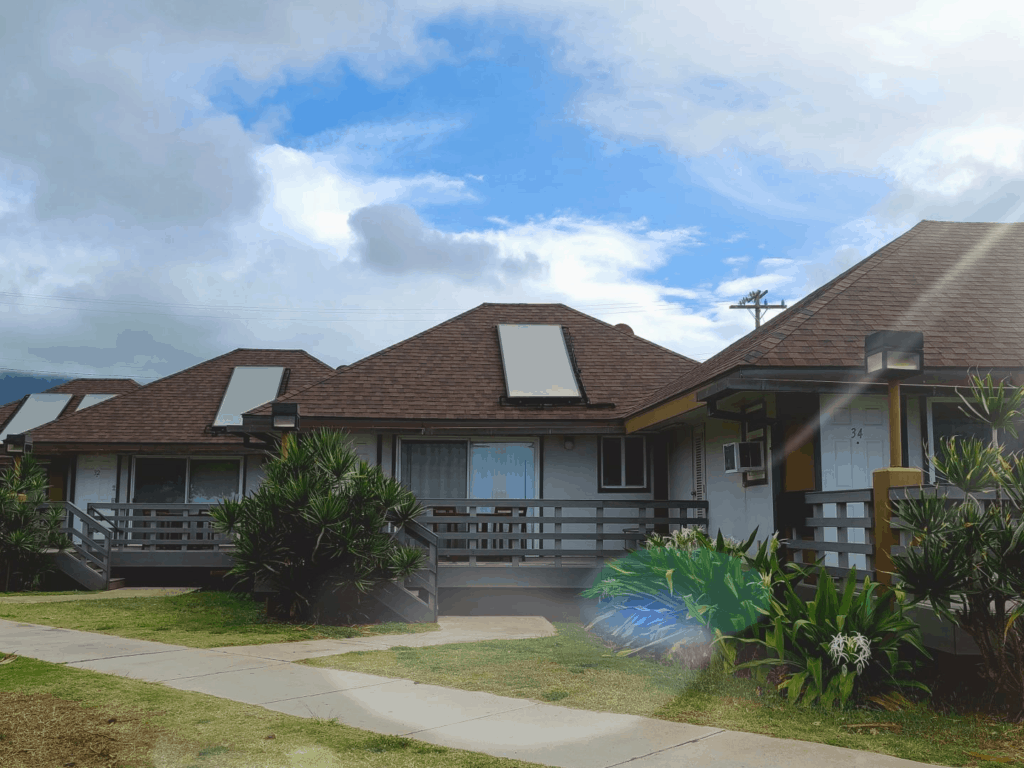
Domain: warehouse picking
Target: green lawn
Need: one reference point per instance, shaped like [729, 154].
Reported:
[573, 669]
[196, 619]
[156, 725]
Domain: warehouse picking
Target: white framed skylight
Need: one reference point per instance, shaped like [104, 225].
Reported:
[250, 387]
[92, 400]
[40, 408]
[537, 363]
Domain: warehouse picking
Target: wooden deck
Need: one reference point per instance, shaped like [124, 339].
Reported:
[478, 543]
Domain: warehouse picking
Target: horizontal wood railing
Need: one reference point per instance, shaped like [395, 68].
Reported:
[842, 524]
[90, 540]
[163, 527]
[518, 529]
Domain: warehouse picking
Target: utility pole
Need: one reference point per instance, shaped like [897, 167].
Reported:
[753, 301]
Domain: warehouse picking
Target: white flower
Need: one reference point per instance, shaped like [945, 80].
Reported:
[856, 645]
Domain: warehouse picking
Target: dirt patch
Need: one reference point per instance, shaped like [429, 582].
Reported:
[38, 730]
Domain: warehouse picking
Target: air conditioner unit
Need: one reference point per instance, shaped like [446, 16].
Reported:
[744, 457]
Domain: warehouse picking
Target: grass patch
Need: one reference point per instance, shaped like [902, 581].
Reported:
[156, 725]
[195, 619]
[575, 669]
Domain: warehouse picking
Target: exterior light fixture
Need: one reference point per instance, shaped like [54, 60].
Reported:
[19, 443]
[894, 354]
[284, 416]
[569, 443]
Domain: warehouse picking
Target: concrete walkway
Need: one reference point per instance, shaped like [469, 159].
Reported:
[454, 629]
[113, 594]
[480, 722]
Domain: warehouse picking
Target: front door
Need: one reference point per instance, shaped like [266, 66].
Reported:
[854, 443]
[95, 481]
[854, 440]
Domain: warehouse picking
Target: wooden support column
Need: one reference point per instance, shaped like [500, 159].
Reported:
[885, 540]
[895, 425]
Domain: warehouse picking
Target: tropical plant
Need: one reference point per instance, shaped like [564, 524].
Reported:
[665, 596]
[967, 558]
[29, 528]
[835, 643]
[319, 522]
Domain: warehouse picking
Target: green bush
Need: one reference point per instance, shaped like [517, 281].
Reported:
[319, 522]
[836, 645]
[679, 591]
[968, 556]
[28, 530]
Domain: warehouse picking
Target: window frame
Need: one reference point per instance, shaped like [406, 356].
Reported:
[188, 471]
[534, 442]
[602, 487]
[931, 431]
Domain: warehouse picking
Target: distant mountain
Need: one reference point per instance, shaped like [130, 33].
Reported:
[14, 386]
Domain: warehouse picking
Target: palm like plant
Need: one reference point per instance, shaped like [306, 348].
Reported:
[29, 530]
[319, 521]
[968, 556]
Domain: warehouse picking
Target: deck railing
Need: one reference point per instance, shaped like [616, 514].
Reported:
[842, 524]
[160, 527]
[520, 530]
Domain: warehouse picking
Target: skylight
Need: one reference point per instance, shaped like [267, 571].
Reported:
[92, 400]
[537, 363]
[40, 408]
[250, 387]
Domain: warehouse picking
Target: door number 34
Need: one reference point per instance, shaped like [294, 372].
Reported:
[854, 432]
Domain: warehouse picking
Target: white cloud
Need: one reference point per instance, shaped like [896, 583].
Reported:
[733, 261]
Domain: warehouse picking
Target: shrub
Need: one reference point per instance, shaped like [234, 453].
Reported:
[680, 592]
[28, 529]
[318, 521]
[835, 646]
[968, 556]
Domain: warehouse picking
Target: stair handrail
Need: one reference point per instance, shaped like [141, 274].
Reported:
[102, 560]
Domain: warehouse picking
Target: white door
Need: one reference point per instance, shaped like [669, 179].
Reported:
[854, 443]
[95, 480]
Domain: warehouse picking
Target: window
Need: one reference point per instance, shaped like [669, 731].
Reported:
[180, 480]
[623, 463]
[435, 470]
[947, 419]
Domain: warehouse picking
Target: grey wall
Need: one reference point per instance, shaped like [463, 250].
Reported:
[732, 508]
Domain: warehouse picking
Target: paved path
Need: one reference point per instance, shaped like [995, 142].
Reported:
[454, 629]
[481, 722]
[113, 594]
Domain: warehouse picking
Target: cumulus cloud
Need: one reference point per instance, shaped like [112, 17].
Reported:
[163, 224]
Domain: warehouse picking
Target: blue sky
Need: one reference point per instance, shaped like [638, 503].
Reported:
[339, 176]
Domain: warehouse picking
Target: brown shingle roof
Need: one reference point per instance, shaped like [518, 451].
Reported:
[454, 371]
[78, 388]
[954, 281]
[177, 408]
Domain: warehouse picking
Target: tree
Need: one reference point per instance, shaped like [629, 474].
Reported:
[319, 521]
[29, 529]
[967, 557]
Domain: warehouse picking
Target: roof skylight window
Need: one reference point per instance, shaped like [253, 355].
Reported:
[40, 408]
[250, 387]
[91, 400]
[537, 363]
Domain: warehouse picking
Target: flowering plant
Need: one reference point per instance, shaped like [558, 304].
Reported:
[845, 646]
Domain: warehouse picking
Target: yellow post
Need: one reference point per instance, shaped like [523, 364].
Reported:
[284, 445]
[882, 480]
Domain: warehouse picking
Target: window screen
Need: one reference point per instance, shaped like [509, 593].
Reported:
[634, 450]
[159, 481]
[611, 461]
[211, 480]
[435, 470]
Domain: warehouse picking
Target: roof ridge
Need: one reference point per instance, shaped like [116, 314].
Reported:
[380, 352]
[144, 390]
[760, 337]
[626, 333]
